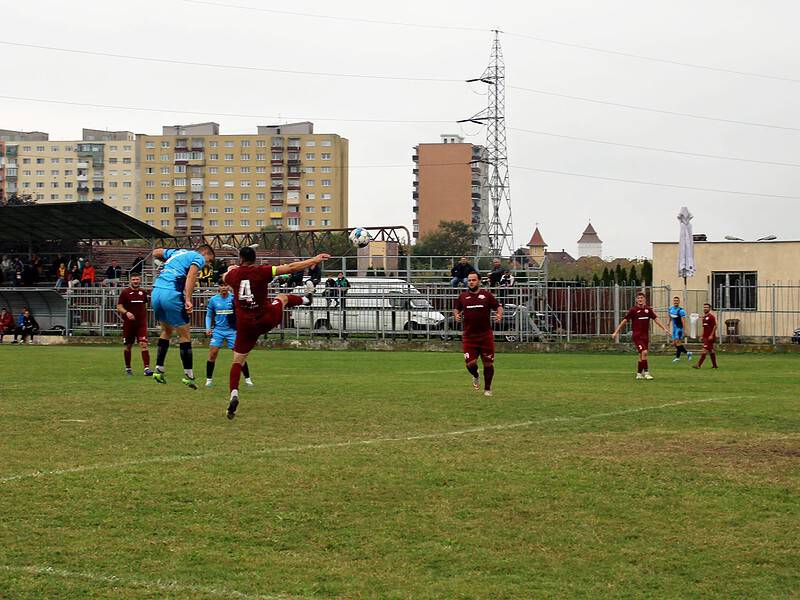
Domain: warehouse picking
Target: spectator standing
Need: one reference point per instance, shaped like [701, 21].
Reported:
[61, 276]
[506, 282]
[74, 275]
[26, 326]
[6, 323]
[138, 265]
[496, 273]
[330, 292]
[113, 274]
[87, 275]
[460, 271]
[19, 273]
[7, 268]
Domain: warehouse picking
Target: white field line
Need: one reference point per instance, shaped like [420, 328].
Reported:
[73, 420]
[174, 458]
[152, 585]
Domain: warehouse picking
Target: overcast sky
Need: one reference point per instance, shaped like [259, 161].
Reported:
[748, 36]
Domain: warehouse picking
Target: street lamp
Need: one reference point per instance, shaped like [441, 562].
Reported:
[767, 238]
[731, 238]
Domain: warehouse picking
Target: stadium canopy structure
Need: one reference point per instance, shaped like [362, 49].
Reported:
[71, 221]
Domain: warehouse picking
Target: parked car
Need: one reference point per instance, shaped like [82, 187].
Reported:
[796, 336]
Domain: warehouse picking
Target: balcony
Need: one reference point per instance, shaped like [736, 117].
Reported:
[476, 195]
[415, 157]
[275, 214]
[181, 229]
[197, 202]
[277, 187]
[83, 165]
[293, 161]
[83, 190]
[415, 195]
[97, 188]
[82, 177]
[415, 209]
[181, 201]
[276, 161]
[11, 172]
[198, 228]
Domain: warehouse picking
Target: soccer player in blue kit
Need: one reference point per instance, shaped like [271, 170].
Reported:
[677, 314]
[171, 300]
[221, 326]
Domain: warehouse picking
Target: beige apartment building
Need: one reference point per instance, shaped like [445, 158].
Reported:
[450, 184]
[193, 180]
[99, 167]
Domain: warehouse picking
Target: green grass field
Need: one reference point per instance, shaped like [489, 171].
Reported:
[384, 475]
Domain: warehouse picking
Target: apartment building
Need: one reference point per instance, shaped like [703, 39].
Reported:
[193, 180]
[99, 167]
[8, 158]
[450, 184]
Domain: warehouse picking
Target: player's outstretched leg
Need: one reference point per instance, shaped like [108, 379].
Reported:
[235, 375]
[472, 367]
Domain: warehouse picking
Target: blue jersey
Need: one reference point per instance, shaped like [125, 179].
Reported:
[176, 268]
[677, 315]
[219, 314]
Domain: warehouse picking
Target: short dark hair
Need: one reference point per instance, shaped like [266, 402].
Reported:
[641, 294]
[207, 248]
[708, 304]
[676, 297]
[247, 254]
[478, 275]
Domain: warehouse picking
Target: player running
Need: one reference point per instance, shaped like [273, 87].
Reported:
[255, 313]
[640, 316]
[172, 304]
[132, 305]
[709, 337]
[221, 327]
[677, 314]
[473, 308]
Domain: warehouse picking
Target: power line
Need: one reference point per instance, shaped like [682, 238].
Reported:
[222, 114]
[652, 58]
[654, 110]
[654, 149]
[290, 13]
[227, 66]
[656, 184]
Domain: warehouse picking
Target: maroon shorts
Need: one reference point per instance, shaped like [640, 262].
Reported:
[708, 345]
[249, 329]
[641, 344]
[480, 346]
[134, 331]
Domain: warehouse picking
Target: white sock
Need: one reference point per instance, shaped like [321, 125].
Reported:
[234, 394]
[306, 301]
[189, 373]
[159, 368]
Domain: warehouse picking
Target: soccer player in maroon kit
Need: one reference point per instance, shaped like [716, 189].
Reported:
[640, 317]
[255, 313]
[709, 337]
[132, 305]
[473, 308]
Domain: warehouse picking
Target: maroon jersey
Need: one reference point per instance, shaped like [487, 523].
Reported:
[640, 320]
[250, 286]
[476, 308]
[709, 322]
[135, 302]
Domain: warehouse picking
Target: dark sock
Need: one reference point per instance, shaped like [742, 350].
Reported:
[678, 351]
[209, 369]
[702, 359]
[714, 359]
[644, 366]
[127, 353]
[639, 367]
[146, 358]
[473, 369]
[161, 353]
[488, 375]
[186, 354]
[246, 371]
[236, 372]
[683, 349]
[293, 300]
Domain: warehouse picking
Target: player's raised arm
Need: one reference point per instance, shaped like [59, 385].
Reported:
[300, 265]
[159, 253]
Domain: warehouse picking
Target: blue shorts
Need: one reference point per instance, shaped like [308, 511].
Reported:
[677, 334]
[218, 338]
[168, 307]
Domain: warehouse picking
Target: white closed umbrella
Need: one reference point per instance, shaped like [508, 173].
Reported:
[686, 266]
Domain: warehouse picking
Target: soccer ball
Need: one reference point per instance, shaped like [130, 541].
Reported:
[360, 237]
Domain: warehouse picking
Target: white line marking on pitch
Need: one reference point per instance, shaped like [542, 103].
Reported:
[368, 442]
[73, 420]
[157, 585]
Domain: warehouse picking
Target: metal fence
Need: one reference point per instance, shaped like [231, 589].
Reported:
[391, 308]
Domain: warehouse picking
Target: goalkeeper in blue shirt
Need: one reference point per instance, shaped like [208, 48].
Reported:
[677, 314]
[221, 327]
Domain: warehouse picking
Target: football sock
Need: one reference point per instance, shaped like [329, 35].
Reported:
[146, 358]
[209, 369]
[186, 358]
[473, 369]
[714, 359]
[683, 349]
[246, 371]
[161, 354]
[488, 375]
[236, 372]
[639, 367]
[702, 359]
[294, 300]
[127, 354]
[644, 366]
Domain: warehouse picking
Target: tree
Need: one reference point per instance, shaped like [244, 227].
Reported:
[451, 238]
[606, 277]
[597, 280]
[647, 273]
[633, 276]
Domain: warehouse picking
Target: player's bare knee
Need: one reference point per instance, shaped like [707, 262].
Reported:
[472, 363]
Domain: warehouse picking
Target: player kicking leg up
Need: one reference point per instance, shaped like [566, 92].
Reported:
[474, 308]
[640, 316]
[172, 305]
[255, 313]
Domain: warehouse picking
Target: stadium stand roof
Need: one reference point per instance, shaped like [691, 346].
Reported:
[71, 221]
